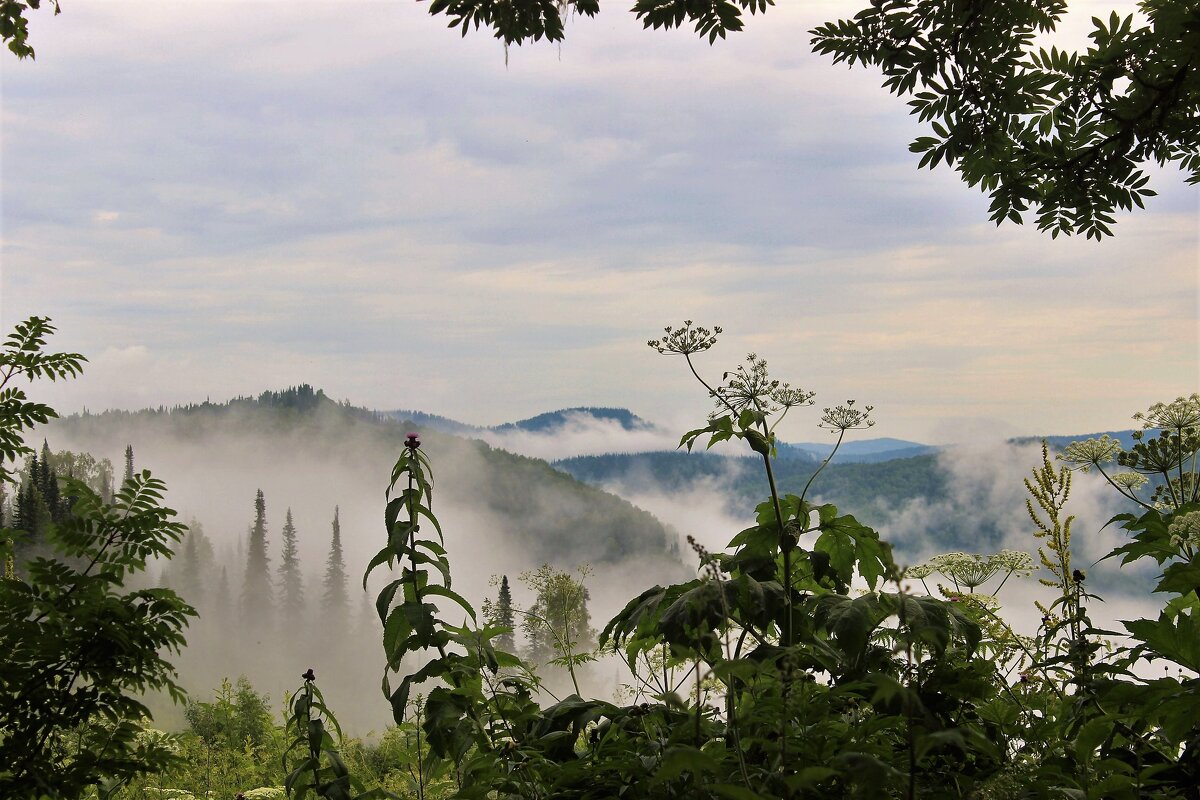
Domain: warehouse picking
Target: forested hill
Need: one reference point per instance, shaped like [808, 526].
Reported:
[868, 490]
[547, 423]
[553, 420]
[230, 449]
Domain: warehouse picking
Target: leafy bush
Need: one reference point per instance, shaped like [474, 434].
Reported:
[78, 651]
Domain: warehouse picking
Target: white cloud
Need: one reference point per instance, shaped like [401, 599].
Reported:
[350, 193]
[581, 434]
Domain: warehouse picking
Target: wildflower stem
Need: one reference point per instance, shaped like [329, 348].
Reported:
[825, 463]
[1128, 494]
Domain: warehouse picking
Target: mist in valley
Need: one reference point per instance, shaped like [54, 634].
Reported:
[501, 515]
[979, 508]
[505, 514]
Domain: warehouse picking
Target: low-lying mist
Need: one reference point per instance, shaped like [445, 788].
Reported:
[504, 514]
[580, 434]
[980, 508]
[501, 514]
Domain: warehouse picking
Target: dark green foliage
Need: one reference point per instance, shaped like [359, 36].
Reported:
[128, 462]
[1064, 134]
[79, 651]
[21, 355]
[314, 763]
[237, 716]
[14, 24]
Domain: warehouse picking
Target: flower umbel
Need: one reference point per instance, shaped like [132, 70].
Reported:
[971, 570]
[1186, 528]
[1180, 413]
[1091, 452]
[847, 417]
[1130, 481]
[686, 339]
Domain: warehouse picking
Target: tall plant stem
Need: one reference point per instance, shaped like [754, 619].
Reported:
[824, 464]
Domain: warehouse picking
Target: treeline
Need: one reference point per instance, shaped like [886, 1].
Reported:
[39, 500]
[870, 491]
[302, 399]
[549, 515]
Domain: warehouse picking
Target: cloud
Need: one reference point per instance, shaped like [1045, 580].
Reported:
[369, 202]
[580, 434]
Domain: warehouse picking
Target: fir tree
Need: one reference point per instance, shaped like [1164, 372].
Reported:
[27, 499]
[194, 562]
[128, 462]
[291, 582]
[256, 588]
[48, 484]
[501, 615]
[336, 600]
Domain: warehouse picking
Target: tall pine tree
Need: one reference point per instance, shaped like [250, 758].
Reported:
[128, 462]
[256, 587]
[291, 582]
[336, 600]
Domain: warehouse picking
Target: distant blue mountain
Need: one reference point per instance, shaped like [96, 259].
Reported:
[542, 423]
[1059, 442]
[864, 451]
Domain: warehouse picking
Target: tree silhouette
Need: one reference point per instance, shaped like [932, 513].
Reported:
[291, 581]
[256, 587]
[336, 600]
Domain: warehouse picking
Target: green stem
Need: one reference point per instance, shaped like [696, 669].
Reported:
[1128, 494]
[825, 463]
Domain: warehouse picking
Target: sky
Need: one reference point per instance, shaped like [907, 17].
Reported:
[211, 199]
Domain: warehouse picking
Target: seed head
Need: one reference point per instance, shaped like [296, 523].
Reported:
[685, 340]
[847, 417]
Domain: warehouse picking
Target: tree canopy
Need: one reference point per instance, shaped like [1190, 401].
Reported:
[1065, 136]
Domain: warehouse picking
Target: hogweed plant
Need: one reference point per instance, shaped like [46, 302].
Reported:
[808, 671]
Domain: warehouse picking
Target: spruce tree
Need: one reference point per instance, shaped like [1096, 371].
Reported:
[291, 582]
[336, 601]
[27, 506]
[194, 565]
[504, 616]
[256, 588]
[48, 486]
[128, 462]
